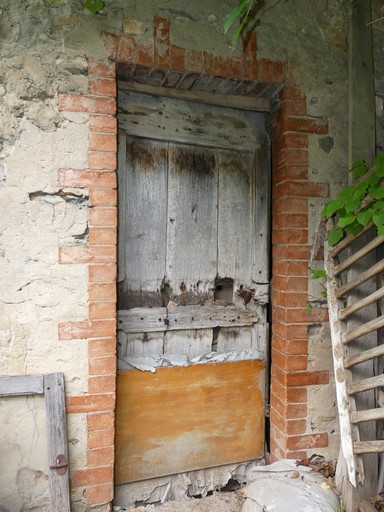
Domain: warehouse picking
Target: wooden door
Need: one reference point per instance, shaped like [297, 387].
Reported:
[193, 285]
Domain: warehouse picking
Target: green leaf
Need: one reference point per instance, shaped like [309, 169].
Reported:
[364, 216]
[324, 293]
[377, 192]
[378, 206]
[378, 219]
[234, 13]
[331, 208]
[93, 6]
[359, 168]
[318, 274]
[309, 308]
[380, 230]
[354, 229]
[335, 235]
[346, 193]
[373, 180]
[346, 220]
[360, 190]
[352, 205]
[378, 164]
[357, 163]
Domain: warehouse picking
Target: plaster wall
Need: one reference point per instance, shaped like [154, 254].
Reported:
[46, 49]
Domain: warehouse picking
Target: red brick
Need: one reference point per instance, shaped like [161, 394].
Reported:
[293, 108]
[289, 156]
[308, 378]
[102, 273]
[90, 403]
[101, 456]
[294, 188]
[92, 476]
[98, 310]
[290, 427]
[100, 160]
[86, 178]
[289, 395]
[303, 125]
[102, 384]
[290, 220]
[100, 438]
[99, 494]
[102, 347]
[291, 140]
[102, 291]
[102, 366]
[208, 63]
[295, 299]
[221, 66]
[144, 52]
[290, 92]
[101, 69]
[290, 172]
[162, 42]
[102, 142]
[102, 87]
[292, 252]
[290, 205]
[177, 58]
[290, 331]
[289, 363]
[103, 197]
[103, 236]
[87, 103]
[102, 124]
[287, 236]
[290, 284]
[126, 49]
[290, 347]
[86, 329]
[288, 411]
[308, 441]
[250, 58]
[194, 61]
[73, 254]
[271, 72]
[103, 217]
[290, 268]
[236, 67]
[100, 421]
[111, 44]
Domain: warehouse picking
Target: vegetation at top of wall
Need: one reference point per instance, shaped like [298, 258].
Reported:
[360, 203]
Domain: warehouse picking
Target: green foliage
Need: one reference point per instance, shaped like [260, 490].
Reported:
[359, 204]
[249, 14]
[93, 6]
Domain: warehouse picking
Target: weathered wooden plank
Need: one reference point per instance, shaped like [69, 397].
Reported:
[21, 385]
[364, 356]
[366, 301]
[182, 419]
[225, 100]
[347, 241]
[261, 240]
[231, 338]
[368, 415]
[356, 256]
[192, 343]
[169, 119]
[369, 446]
[361, 278]
[365, 384]
[143, 344]
[145, 221]
[54, 394]
[192, 222]
[184, 317]
[122, 191]
[362, 330]
[236, 229]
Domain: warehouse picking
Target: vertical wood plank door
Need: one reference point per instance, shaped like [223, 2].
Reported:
[193, 282]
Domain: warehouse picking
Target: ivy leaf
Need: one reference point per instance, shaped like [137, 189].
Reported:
[93, 6]
[380, 230]
[377, 192]
[364, 216]
[378, 165]
[324, 293]
[359, 168]
[234, 13]
[318, 274]
[309, 308]
[331, 208]
[346, 193]
[352, 205]
[354, 229]
[335, 235]
[360, 189]
[378, 219]
[346, 220]
[379, 205]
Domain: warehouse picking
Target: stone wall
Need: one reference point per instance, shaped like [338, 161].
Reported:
[58, 209]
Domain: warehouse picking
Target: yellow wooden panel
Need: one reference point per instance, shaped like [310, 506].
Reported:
[182, 419]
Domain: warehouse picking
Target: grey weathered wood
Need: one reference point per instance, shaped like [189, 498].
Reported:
[237, 338]
[364, 356]
[366, 301]
[192, 343]
[163, 118]
[191, 259]
[21, 385]
[369, 446]
[362, 330]
[365, 384]
[184, 317]
[366, 506]
[367, 415]
[54, 395]
[142, 344]
[224, 100]
[356, 256]
[360, 278]
[260, 272]
[123, 204]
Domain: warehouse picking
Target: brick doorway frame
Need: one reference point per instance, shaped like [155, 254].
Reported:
[290, 433]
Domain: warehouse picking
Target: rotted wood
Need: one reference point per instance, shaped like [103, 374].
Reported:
[185, 317]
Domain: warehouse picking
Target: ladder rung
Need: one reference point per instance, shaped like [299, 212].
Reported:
[364, 356]
[364, 329]
[368, 447]
[368, 415]
[359, 254]
[366, 384]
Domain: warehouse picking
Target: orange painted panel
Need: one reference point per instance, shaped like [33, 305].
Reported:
[182, 419]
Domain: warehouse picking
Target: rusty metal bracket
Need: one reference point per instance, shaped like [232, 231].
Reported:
[61, 464]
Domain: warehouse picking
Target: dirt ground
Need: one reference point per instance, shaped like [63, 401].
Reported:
[218, 502]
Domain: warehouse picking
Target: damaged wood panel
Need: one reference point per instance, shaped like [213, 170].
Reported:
[168, 119]
[192, 221]
[186, 317]
[145, 222]
[235, 215]
[192, 343]
[262, 208]
[235, 338]
[139, 344]
[21, 385]
[182, 419]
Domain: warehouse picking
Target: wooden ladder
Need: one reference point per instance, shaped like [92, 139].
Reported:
[356, 339]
